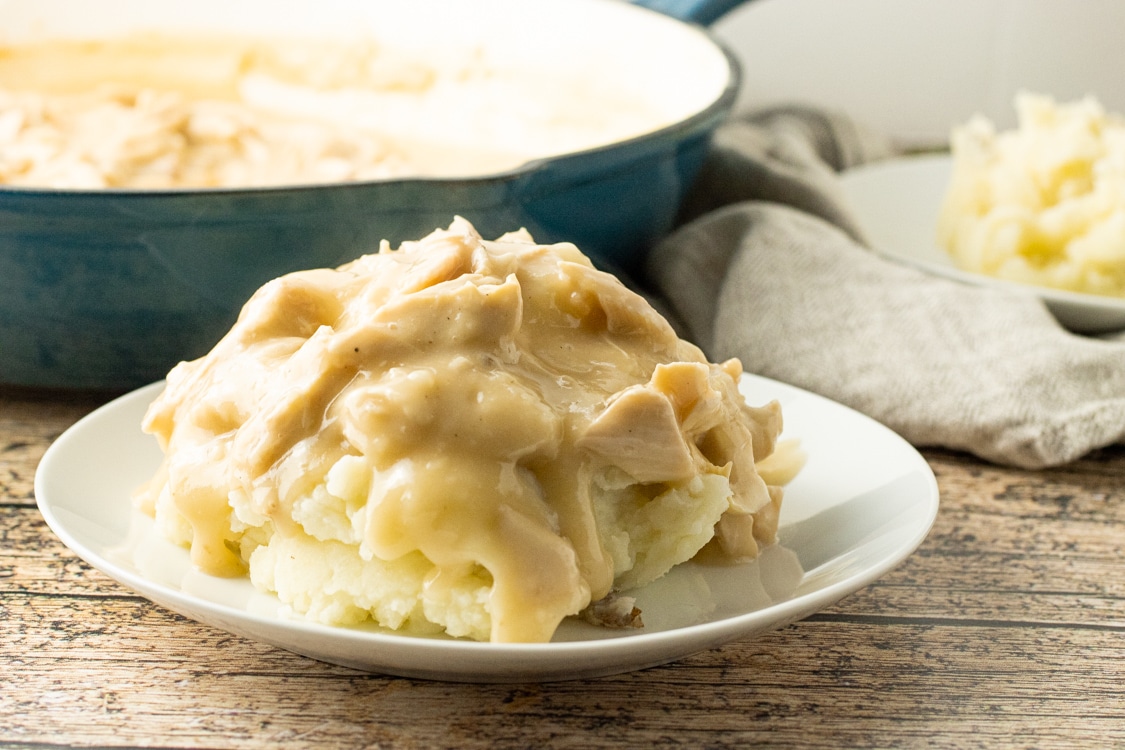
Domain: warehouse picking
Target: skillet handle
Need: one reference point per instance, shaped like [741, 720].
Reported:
[703, 12]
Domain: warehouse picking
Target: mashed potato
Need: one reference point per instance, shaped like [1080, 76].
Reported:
[474, 437]
[1043, 204]
[157, 111]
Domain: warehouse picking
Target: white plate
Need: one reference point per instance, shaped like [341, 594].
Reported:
[865, 500]
[897, 203]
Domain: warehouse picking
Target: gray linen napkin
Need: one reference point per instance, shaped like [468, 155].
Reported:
[770, 267]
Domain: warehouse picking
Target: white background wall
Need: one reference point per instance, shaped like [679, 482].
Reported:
[916, 67]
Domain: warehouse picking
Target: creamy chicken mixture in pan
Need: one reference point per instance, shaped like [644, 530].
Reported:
[155, 111]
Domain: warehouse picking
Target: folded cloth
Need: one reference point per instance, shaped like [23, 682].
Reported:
[770, 267]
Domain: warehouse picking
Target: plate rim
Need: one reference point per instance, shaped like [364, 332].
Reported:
[552, 661]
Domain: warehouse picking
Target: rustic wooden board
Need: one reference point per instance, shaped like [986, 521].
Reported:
[1006, 628]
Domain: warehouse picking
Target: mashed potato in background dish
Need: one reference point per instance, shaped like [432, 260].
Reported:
[474, 437]
[1043, 204]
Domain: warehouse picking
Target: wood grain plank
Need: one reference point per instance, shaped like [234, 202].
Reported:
[811, 684]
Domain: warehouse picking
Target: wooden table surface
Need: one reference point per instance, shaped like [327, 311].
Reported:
[1006, 628]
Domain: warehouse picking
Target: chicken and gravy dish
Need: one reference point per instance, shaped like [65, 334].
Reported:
[460, 436]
